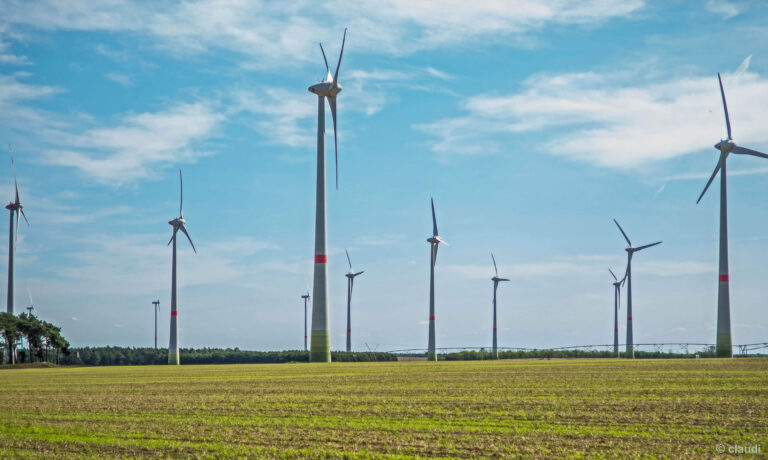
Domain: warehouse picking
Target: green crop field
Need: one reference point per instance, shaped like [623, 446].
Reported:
[557, 408]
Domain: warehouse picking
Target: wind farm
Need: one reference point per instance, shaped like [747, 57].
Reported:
[526, 130]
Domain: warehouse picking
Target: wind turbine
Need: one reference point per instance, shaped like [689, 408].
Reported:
[177, 224]
[31, 302]
[350, 282]
[628, 276]
[156, 303]
[15, 207]
[724, 347]
[306, 299]
[320, 350]
[434, 242]
[616, 306]
[496, 281]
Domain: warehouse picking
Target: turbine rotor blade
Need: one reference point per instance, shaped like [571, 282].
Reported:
[24, 216]
[338, 65]
[725, 106]
[434, 253]
[332, 104]
[15, 183]
[324, 58]
[16, 231]
[434, 220]
[172, 237]
[502, 279]
[647, 246]
[622, 232]
[359, 273]
[711, 178]
[184, 229]
[614, 276]
[348, 260]
[745, 151]
[181, 195]
[494, 265]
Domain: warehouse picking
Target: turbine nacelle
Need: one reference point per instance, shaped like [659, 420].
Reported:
[177, 222]
[325, 88]
[436, 240]
[725, 146]
[496, 279]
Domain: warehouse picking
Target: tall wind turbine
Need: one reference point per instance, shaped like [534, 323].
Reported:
[177, 224]
[320, 350]
[434, 241]
[306, 299]
[616, 306]
[496, 281]
[724, 346]
[628, 276]
[15, 207]
[350, 283]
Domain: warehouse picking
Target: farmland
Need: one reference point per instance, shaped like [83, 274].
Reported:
[597, 407]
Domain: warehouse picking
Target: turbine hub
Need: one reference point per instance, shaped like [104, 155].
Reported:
[325, 89]
[725, 146]
[11, 206]
[177, 222]
[434, 240]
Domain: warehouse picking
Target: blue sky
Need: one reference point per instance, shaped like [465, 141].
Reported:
[531, 125]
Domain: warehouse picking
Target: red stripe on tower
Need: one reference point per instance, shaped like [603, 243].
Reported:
[349, 330]
[616, 330]
[175, 313]
[431, 318]
[629, 318]
[494, 329]
[724, 278]
[321, 259]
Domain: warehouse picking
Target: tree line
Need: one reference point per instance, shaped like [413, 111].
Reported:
[28, 339]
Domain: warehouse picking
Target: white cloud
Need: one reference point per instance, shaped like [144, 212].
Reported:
[722, 8]
[606, 120]
[120, 78]
[276, 33]
[115, 155]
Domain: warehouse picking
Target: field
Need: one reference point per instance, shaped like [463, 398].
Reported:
[557, 408]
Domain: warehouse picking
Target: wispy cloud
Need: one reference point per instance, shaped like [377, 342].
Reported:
[605, 120]
[120, 78]
[115, 155]
[723, 8]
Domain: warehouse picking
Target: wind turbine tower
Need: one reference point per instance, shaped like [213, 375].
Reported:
[616, 306]
[496, 280]
[15, 207]
[306, 299]
[156, 303]
[178, 224]
[350, 283]
[329, 88]
[434, 241]
[628, 275]
[724, 347]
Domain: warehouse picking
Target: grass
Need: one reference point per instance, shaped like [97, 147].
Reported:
[559, 408]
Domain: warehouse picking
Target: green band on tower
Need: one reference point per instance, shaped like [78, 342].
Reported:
[320, 348]
[724, 348]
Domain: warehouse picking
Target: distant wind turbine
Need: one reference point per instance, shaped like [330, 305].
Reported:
[31, 302]
[156, 303]
[178, 224]
[350, 283]
[306, 299]
[496, 281]
[628, 275]
[434, 241]
[15, 207]
[320, 350]
[616, 306]
[724, 345]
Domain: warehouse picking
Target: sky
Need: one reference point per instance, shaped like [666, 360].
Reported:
[532, 124]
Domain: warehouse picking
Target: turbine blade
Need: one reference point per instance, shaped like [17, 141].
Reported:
[324, 58]
[494, 265]
[15, 183]
[332, 104]
[445, 242]
[181, 195]
[622, 232]
[711, 178]
[502, 279]
[434, 253]
[31, 302]
[434, 220]
[184, 229]
[725, 106]
[746, 151]
[16, 231]
[614, 276]
[647, 246]
[338, 66]
[24, 216]
[172, 236]
[348, 260]
[360, 273]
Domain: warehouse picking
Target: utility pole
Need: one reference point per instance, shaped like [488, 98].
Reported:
[156, 303]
